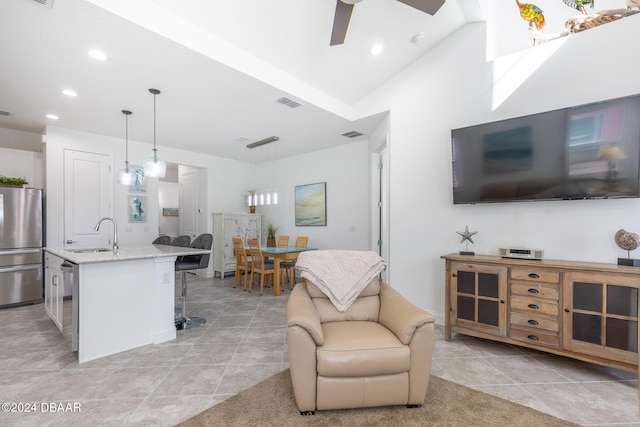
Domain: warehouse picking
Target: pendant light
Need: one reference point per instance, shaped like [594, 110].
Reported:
[152, 166]
[125, 175]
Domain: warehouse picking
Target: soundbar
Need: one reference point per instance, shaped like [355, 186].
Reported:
[521, 253]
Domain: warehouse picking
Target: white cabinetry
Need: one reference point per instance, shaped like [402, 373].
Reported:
[53, 289]
[227, 226]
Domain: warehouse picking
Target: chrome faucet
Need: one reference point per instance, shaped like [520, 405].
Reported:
[115, 231]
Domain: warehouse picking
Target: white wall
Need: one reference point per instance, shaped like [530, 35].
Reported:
[227, 181]
[346, 171]
[454, 86]
[23, 164]
[20, 140]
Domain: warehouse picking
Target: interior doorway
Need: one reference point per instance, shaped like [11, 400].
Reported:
[380, 198]
[169, 202]
[182, 198]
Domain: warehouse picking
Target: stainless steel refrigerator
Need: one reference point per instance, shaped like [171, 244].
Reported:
[20, 246]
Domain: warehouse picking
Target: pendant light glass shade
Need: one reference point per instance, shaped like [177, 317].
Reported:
[125, 175]
[153, 166]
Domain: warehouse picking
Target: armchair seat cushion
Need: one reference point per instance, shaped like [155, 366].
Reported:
[360, 349]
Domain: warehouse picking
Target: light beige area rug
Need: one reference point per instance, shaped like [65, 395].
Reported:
[271, 403]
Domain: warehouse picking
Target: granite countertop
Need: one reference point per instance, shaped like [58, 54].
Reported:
[125, 253]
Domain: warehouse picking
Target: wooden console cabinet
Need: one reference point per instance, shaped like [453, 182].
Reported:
[587, 311]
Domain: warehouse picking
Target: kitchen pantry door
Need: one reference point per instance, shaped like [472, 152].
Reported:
[87, 198]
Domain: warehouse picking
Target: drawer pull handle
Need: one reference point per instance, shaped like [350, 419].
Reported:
[534, 276]
[533, 291]
[534, 306]
[532, 322]
[532, 337]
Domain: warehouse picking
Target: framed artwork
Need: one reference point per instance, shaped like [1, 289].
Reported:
[139, 186]
[170, 211]
[137, 209]
[311, 204]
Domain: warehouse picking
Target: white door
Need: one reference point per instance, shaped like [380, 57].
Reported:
[87, 196]
[188, 179]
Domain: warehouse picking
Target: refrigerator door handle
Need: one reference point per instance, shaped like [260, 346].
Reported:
[19, 251]
[19, 268]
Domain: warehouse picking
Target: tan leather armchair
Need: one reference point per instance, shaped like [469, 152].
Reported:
[377, 353]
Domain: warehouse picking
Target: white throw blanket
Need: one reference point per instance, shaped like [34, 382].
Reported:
[340, 274]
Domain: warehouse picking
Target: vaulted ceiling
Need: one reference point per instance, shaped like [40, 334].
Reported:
[221, 67]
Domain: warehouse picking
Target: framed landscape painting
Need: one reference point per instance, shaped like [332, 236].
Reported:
[311, 204]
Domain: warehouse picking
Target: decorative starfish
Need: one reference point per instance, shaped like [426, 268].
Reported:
[466, 235]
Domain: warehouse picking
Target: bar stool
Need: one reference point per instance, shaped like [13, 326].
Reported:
[162, 240]
[190, 263]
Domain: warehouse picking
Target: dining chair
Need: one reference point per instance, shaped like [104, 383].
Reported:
[162, 240]
[289, 267]
[243, 263]
[259, 265]
[283, 241]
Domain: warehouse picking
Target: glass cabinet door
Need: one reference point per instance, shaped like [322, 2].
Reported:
[479, 297]
[601, 315]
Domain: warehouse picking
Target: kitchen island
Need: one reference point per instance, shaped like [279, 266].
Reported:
[121, 300]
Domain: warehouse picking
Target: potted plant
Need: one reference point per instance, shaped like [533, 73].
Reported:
[12, 182]
[271, 235]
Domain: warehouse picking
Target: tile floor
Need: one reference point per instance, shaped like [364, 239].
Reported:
[243, 342]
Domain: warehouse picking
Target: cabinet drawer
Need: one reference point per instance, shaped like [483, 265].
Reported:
[532, 305]
[548, 339]
[535, 321]
[538, 290]
[535, 275]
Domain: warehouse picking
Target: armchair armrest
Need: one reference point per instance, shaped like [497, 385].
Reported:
[399, 315]
[304, 334]
[302, 312]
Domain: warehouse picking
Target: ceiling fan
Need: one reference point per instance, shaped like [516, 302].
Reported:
[345, 7]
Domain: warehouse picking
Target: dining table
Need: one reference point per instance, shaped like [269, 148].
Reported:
[279, 254]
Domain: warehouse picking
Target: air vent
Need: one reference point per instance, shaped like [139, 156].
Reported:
[48, 3]
[4, 113]
[289, 102]
[352, 134]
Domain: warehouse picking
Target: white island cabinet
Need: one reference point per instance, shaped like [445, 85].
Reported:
[121, 300]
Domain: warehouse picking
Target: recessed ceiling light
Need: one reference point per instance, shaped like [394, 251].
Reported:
[376, 49]
[52, 117]
[98, 55]
[70, 92]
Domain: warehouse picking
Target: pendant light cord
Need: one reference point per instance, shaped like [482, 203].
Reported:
[154, 127]
[155, 151]
[126, 113]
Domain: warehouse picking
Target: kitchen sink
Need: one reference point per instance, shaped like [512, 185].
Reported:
[88, 250]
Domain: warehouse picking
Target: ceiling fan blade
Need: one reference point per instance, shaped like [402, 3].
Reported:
[341, 22]
[427, 6]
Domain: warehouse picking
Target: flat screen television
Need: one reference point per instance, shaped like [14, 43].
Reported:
[589, 151]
